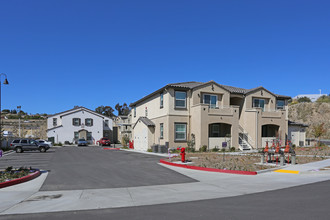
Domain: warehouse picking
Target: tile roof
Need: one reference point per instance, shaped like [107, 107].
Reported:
[193, 84]
[188, 85]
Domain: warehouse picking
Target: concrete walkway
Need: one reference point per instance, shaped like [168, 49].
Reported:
[26, 198]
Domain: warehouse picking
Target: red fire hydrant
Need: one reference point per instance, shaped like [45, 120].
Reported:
[183, 154]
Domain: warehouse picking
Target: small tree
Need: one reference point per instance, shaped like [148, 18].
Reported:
[191, 143]
[318, 131]
[324, 98]
[304, 99]
[124, 140]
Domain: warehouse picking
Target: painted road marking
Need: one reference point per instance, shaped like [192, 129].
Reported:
[287, 171]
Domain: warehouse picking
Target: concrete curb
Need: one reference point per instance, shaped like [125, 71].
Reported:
[111, 148]
[20, 180]
[209, 169]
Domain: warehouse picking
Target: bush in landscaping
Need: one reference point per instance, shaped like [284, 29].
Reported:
[203, 149]
[232, 149]
[191, 149]
[215, 149]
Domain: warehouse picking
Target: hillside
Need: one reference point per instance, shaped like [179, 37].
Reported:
[311, 114]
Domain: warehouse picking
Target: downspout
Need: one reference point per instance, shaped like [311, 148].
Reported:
[257, 112]
[189, 116]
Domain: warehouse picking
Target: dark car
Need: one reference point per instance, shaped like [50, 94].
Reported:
[82, 142]
[21, 145]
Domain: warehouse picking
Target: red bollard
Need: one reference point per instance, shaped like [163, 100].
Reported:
[183, 154]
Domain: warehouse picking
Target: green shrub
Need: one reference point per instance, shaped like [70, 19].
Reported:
[215, 149]
[232, 149]
[203, 149]
[190, 149]
[149, 150]
[304, 99]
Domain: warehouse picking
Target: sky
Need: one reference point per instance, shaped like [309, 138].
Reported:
[58, 54]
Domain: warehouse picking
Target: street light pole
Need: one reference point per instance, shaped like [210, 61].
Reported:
[5, 82]
[19, 120]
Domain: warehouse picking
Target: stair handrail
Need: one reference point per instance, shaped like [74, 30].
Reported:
[250, 141]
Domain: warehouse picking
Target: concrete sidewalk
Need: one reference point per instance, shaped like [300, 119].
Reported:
[27, 199]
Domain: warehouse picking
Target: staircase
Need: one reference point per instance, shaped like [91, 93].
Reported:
[245, 141]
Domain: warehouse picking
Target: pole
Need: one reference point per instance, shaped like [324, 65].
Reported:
[19, 120]
[5, 82]
[0, 118]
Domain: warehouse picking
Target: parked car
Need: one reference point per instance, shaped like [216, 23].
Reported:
[21, 145]
[82, 142]
[50, 144]
[103, 142]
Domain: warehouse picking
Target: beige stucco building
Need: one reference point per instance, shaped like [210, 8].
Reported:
[217, 115]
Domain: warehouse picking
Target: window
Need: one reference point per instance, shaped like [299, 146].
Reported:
[76, 121]
[89, 122]
[211, 100]
[89, 136]
[24, 142]
[280, 104]
[15, 141]
[180, 131]
[134, 112]
[214, 130]
[259, 103]
[161, 100]
[76, 135]
[180, 99]
[161, 130]
[54, 121]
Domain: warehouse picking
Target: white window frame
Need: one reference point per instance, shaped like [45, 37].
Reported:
[185, 132]
[76, 124]
[54, 121]
[210, 104]
[89, 124]
[76, 133]
[161, 129]
[161, 100]
[280, 107]
[254, 106]
[89, 136]
[185, 99]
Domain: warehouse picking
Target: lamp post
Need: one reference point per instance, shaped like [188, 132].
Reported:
[19, 120]
[6, 83]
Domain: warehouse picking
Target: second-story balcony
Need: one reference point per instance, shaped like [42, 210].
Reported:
[265, 113]
[221, 111]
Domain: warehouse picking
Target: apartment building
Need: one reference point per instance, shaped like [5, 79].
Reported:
[217, 116]
[76, 123]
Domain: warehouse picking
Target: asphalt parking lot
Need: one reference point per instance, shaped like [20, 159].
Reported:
[73, 168]
[33, 159]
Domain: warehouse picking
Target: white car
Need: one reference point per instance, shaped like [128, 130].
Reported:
[45, 142]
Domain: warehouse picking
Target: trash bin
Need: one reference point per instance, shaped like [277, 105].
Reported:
[154, 148]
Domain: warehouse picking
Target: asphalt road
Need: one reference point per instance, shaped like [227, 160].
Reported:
[303, 202]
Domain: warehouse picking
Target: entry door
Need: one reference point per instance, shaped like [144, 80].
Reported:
[83, 134]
